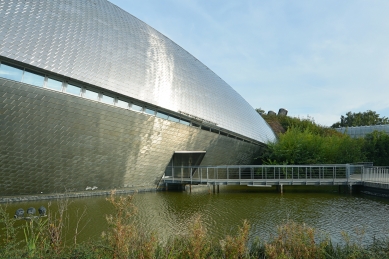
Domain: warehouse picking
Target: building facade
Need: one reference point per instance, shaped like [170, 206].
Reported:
[92, 96]
[361, 131]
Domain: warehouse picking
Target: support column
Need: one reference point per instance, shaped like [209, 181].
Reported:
[218, 190]
[281, 188]
[213, 188]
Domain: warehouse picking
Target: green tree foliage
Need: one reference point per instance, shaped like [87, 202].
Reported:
[360, 119]
[302, 141]
[377, 148]
[306, 124]
[304, 146]
[260, 111]
[286, 122]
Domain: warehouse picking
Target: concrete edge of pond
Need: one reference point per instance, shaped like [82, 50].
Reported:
[366, 189]
[82, 194]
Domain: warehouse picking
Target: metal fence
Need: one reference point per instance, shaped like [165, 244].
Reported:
[204, 174]
[376, 175]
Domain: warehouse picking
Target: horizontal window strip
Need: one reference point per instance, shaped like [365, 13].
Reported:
[19, 74]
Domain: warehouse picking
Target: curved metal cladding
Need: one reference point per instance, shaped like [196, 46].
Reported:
[96, 42]
[51, 142]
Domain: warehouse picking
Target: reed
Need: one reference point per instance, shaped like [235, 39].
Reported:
[126, 237]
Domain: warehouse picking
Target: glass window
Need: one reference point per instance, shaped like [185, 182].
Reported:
[223, 133]
[33, 79]
[11, 73]
[205, 128]
[162, 115]
[136, 107]
[91, 95]
[184, 122]
[54, 84]
[195, 125]
[122, 104]
[107, 99]
[175, 119]
[72, 89]
[215, 131]
[149, 111]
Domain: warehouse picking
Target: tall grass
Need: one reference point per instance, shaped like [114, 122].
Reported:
[126, 237]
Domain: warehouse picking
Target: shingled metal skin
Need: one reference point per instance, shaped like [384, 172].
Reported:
[96, 42]
[53, 142]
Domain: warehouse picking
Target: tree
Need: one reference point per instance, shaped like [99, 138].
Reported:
[377, 148]
[307, 146]
[260, 111]
[360, 119]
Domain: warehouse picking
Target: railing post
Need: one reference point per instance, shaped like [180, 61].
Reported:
[228, 173]
[364, 173]
[374, 174]
[239, 172]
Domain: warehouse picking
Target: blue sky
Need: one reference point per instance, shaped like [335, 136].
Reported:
[315, 58]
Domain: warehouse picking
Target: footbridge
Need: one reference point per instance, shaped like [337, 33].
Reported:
[278, 175]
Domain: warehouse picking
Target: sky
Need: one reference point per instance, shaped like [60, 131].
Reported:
[317, 59]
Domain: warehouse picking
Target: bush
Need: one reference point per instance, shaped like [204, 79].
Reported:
[303, 146]
[377, 148]
[295, 240]
[125, 238]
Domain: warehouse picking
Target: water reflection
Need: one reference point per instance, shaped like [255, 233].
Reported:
[168, 213]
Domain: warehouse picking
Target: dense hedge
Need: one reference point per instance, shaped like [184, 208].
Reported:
[302, 141]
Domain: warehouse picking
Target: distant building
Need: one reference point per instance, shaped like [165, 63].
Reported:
[361, 131]
[90, 96]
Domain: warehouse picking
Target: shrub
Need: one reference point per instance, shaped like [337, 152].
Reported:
[295, 240]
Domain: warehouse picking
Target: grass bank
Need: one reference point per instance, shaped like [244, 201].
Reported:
[125, 237]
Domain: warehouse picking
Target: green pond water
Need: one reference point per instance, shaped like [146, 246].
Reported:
[363, 217]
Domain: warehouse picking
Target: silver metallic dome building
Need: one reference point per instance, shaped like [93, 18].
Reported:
[92, 96]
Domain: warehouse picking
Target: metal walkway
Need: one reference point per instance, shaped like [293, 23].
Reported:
[266, 175]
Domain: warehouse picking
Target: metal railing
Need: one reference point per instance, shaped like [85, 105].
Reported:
[376, 175]
[245, 173]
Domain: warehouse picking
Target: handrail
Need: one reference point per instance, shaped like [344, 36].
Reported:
[245, 173]
[376, 175]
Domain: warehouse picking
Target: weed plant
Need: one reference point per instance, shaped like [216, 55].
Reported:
[125, 237]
